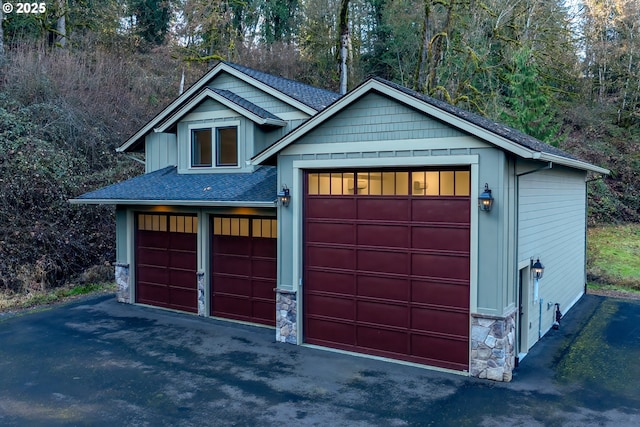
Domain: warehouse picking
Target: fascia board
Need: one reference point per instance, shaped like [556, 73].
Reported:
[210, 203]
[576, 164]
[160, 117]
[208, 93]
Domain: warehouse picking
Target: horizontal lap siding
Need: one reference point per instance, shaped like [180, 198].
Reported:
[552, 227]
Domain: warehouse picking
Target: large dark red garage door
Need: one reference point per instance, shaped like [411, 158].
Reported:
[387, 264]
[166, 261]
[243, 269]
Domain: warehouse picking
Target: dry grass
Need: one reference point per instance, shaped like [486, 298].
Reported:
[14, 301]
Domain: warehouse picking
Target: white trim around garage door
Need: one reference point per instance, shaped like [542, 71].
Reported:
[299, 166]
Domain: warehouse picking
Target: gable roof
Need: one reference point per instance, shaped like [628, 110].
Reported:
[305, 98]
[167, 186]
[505, 137]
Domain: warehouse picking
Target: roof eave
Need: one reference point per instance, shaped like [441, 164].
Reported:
[573, 163]
[221, 66]
[207, 203]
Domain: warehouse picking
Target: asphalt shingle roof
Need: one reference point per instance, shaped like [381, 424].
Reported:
[167, 184]
[247, 105]
[504, 131]
[314, 97]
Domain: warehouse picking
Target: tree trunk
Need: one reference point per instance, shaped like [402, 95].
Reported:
[1, 40]
[344, 44]
[61, 23]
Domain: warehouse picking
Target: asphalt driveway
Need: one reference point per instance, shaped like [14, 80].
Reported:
[96, 362]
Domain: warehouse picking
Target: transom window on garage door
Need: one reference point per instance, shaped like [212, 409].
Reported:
[172, 223]
[428, 182]
[244, 227]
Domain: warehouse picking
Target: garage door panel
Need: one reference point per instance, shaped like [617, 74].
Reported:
[383, 339]
[382, 313]
[331, 281]
[183, 259]
[231, 306]
[331, 257]
[383, 261]
[395, 236]
[264, 248]
[330, 233]
[386, 287]
[182, 279]
[323, 332]
[231, 285]
[441, 238]
[263, 310]
[152, 256]
[183, 241]
[232, 245]
[263, 289]
[330, 306]
[152, 293]
[261, 267]
[444, 294]
[231, 264]
[441, 210]
[445, 266]
[440, 320]
[151, 239]
[331, 207]
[445, 352]
[152, 274]
[184, 299]
[383, 209]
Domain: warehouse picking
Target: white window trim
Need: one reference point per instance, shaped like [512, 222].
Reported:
[214, 126]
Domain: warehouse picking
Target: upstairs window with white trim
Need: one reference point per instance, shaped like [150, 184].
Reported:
[214, 146]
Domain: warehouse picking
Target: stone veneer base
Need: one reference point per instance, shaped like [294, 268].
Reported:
[201, 300]
[286, 316]
[122, 280]
[492, 346]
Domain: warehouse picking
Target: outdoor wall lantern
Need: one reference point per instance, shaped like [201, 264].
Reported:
[485, 200]
[284, 197]
[537, 269]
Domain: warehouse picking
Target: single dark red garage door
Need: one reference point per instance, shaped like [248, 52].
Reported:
[387, 264]
[166, 261]
[243, 269]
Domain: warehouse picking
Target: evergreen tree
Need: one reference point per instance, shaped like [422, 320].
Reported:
[528, 101]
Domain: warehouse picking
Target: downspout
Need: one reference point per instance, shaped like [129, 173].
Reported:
[134, 158]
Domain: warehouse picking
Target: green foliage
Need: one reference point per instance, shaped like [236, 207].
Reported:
[152, 19]
[527, 101]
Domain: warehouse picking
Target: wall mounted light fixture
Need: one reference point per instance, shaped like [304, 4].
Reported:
[284, 196]
[537, 269]
[485, 200]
